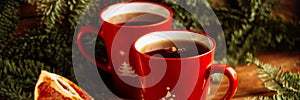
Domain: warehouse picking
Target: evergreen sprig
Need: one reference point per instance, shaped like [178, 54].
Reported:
[8, 18]
[51, 49]
[285, 83]
[18, 77]
[56, 13]
[49, 44]
[250, 26]
[23, 59]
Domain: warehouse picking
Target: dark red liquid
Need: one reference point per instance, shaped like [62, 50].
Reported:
[175, 49]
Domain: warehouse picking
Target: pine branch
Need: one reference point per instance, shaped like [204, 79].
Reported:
[268, 74]
[51, 49]
[250, 26]
[184, 19]
[285, 83]
[53, 12]
[8, 18]
[291, 84]
[18, 77]
[49, 44]
[60, 13]
[259, 98]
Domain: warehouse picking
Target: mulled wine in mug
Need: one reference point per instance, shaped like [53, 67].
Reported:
[179, 63]
[121, 25]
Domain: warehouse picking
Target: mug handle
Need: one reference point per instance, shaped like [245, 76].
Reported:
[230, 73]
[87, 30]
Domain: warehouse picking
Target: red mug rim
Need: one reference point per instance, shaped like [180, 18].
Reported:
[150, 25]
[183, 58]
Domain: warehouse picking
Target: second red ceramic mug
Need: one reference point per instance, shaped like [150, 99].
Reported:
[180, 62]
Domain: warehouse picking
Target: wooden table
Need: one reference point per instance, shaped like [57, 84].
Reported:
[249, 83]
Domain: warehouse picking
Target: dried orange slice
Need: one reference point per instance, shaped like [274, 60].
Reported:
[51, 86]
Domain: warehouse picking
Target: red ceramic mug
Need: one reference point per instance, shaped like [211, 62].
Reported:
[119, 35]
[183, 77]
